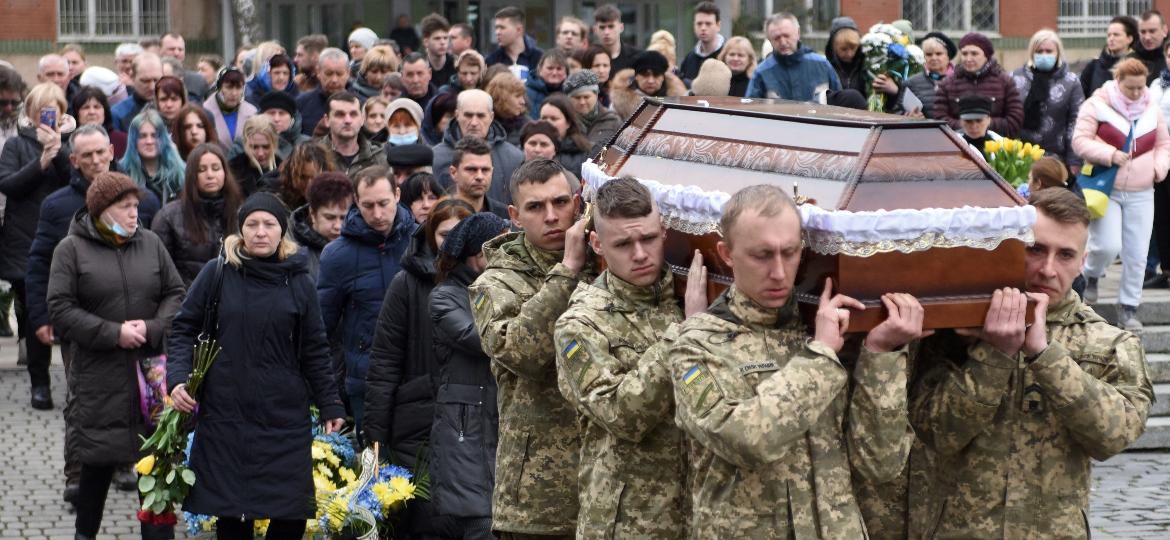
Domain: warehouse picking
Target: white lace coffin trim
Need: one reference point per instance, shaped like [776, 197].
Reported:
[696, 211]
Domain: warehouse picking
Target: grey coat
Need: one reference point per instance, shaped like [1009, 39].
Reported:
[506, 158]
[1058, 112]
[925, 89]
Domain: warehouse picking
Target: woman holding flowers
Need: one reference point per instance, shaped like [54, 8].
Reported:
[1118, 112]
[979, 73]
[112, 293]
[1052, 97]
[252, 449]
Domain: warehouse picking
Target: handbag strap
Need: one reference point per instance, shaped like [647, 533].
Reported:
[211, 315]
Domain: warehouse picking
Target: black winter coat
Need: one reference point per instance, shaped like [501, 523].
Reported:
[253, 433]
[94, 287]
[250, 178]
[308, 238]
[56, 214]
[400, 398]
[1098, 72]
[26, 185]
[190, 257]
[467, 422]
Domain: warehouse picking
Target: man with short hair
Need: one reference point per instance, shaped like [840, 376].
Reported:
[599, 123]
[333, 73]
[709, 42]
[174, 46]
[792, 71]
[474, 117]
[461, 38]
[1016, 413]
[416, 75]
[351, 148]
[516, 48]
[435, 30]
[90, 154]
[145, 71]
[775, 431]
[151, 45]
[608, 27]
[404, 35]
[319, 220]
[471, 171]
[572, 35]
[1148, 48]
[308, 50]
[612, 367]
[516, 301]
[355, 270]
[54, 68]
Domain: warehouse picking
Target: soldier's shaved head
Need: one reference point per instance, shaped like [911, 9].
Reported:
[766, 199]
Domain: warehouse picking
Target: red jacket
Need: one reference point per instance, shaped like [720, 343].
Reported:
[1007, 107]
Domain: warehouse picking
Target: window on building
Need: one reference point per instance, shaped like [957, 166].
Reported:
[1091, 17]
[952, 15]
[111, 20]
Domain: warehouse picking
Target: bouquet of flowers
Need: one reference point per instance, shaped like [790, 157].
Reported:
[165, 474]
[888, 52]
[1012, 159]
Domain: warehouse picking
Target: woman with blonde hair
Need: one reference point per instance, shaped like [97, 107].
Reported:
[739, 55]
[510, 101]
[1052, 96]
[1121, 110]
[374, 111]
[251, 453]
[376, 64]
[257, 168]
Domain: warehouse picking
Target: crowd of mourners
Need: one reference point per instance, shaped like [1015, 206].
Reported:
[336, 204]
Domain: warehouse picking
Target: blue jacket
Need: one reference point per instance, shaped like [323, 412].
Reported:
[356, 269]
[794, 77]
[124, 111]
[312, 105]
[530, 57]
[261, 84]
[537, 90]
[57, 211]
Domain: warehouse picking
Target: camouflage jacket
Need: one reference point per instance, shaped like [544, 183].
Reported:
[1013, 438]
[611, 367]
[768, 407]
[516, 301]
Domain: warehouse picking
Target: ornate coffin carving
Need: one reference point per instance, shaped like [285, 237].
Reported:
[894, 205]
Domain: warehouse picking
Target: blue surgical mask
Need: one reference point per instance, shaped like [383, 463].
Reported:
[399, 140]
[1044, 62]
[117, 228]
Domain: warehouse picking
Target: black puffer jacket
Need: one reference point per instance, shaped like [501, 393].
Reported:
[26, 185]
[466, 426]
[400, 399]
[571, 156]
[252, 447]
[309, 238]
[250, 178]
[190, 257]
[94, 287]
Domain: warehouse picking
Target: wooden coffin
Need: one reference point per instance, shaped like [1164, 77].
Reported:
[844, 161]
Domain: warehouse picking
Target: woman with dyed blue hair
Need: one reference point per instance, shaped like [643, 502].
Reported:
[151, 159]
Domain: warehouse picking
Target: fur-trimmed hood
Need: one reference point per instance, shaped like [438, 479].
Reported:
[626, 98]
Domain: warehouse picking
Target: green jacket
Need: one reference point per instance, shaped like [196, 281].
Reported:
[1015, 438]
[611, 366]
[516, 301]
[777, 431]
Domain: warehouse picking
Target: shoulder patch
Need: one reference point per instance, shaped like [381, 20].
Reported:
[480, 301]
[571, 349]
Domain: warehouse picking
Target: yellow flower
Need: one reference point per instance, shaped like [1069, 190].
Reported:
[904, 39]
[145, 465]
[318, 452]
[332, 458]
[347, 475]
[1037, 153]
[403, 487]
[260, 527]
[991, 147]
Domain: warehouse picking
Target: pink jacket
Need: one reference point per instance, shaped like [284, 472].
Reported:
[1101, 130]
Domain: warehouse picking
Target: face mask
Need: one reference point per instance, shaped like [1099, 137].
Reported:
[1044, 62]
[399, 140]
[117, 228]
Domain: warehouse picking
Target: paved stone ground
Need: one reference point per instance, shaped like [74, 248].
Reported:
[1130, 498]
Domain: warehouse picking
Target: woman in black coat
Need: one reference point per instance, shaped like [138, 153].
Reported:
[112, 293]
[192, 228]
[251, 454]
[466, 426]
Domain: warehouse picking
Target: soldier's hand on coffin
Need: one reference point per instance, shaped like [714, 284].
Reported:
[575, 246]
[833, 317]
[1036, 338]
[902, 325]
[695, 299]
[1004, 326]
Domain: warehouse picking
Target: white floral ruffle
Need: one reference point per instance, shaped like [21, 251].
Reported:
[693, 210]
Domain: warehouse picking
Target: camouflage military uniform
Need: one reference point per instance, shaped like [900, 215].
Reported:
[1014, 438]
[768, 406]
[516, 301]
[610, 365]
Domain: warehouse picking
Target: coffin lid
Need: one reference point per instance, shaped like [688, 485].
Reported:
[878, 182]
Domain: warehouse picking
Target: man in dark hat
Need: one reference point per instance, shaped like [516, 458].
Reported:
[408, 159]
[975, 116]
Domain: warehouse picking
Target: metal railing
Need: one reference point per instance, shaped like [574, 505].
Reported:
[111, 20]
[952, 15]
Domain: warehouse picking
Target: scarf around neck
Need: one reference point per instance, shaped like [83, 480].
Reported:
[1131, 109]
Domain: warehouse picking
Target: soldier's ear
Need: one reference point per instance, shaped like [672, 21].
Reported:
[724, 252]
[595, 243]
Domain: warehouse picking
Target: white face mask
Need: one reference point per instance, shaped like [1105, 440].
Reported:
[1044, 62]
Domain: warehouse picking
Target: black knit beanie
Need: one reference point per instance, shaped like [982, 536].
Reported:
[466, 239]
[262, 201]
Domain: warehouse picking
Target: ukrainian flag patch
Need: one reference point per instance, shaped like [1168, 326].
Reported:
[479, 300]
[693, 375]
[572, 349]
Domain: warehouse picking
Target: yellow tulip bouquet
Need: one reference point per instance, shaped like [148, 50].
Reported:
[1012, 159]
